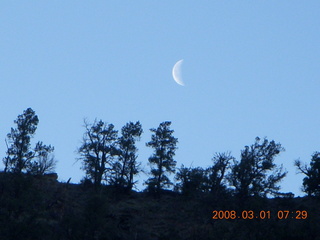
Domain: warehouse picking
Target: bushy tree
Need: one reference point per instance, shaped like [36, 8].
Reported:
[212, 179]
[97, 150]
[162, 163]
[20, 156]
[311, 183]
[256, 174]
[126, 165]
[191, 180]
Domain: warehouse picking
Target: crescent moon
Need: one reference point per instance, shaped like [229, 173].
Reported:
[176, 73]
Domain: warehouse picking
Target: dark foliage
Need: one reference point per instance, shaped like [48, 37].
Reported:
[20, 157]
[162, 162]
[256, 174]
[125, 167]
[311, 183]
[191, 181]
[97, 151]
[217, 173]
[32, 206]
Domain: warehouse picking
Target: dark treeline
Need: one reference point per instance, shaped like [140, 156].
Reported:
[33, 205]
[109, 157]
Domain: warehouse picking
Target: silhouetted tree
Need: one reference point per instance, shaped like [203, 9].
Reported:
[311, 183]
[162, 162]
[44, 161]
[20, 157]
[126, 167]
[212, 179]
[217, 173]
[97, 150]
[250, 176]
[191, 180]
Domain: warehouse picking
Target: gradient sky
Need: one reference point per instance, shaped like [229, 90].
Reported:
[251, 68]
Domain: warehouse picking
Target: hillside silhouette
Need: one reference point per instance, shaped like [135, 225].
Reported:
[232, 198]
[39, 208]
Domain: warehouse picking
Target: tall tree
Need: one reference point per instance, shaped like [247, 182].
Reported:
[311, 183]
[97, 150]
[161, 161]
[126, 166]
[256, 174]
[20, 156]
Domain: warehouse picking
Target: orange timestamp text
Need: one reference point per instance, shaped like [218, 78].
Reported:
[250, 214]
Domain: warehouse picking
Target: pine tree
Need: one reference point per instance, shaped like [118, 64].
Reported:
[161, 161]
[20, 156]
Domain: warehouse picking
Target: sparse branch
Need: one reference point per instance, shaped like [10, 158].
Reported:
[303, 169]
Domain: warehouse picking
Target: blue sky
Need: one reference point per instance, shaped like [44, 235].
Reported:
[251, 68]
